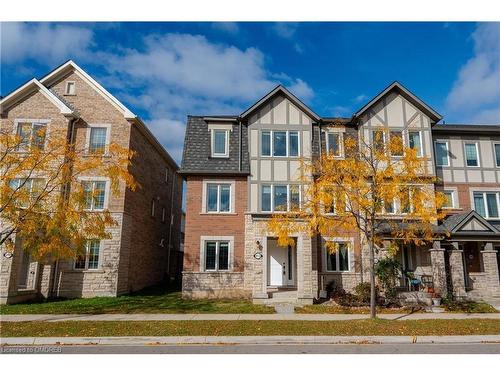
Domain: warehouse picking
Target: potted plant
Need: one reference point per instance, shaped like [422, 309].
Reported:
[436, 299]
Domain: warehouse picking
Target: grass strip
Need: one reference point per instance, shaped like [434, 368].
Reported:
[374, 327]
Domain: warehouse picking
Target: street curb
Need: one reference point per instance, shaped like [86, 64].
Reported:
[234, 340]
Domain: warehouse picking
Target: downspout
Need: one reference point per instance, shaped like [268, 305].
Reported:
[170, 225]
[55, 282]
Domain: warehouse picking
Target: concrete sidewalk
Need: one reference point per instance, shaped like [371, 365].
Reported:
[311, 317]
[234, 340]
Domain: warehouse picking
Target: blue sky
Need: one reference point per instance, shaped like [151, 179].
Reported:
[164, 71]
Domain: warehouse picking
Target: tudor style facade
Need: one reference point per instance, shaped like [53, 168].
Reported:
[240, 169]
[145, 245]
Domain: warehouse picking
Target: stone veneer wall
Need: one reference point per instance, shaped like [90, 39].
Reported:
[213, 285]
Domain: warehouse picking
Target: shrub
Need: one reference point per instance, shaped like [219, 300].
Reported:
[468, 306]
[363, 292]
[387, 271]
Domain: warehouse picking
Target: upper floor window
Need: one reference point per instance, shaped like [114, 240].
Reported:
[94, 194]
[334, 143]
[280, 198]
[220, 143]
[280, 143]
[218, 197]
[449, 199]
[98, 140]
[31, 135]
[415, 141]
[497, 154]
[396, 140]
[442, 155]
[70, 88]
[378, 140]
[89, 261]
[29, 189]
[486, 204]
[471, 154]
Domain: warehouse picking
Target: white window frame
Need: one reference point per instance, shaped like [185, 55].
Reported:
[44, 122]
[287, 143]
[288, 197]
[108, 136]
[106, 191]
[226, 143]
[341, 143]
[30, 191]
[204, 196]
[67, 91]
[484, 192]
[447, 153]
[477, 154]
[217, 239]
[350, 254]
[454, 204]
[495, 153]
[420, 152]
[87, 252]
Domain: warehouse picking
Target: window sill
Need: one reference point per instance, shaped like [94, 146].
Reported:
[216, 271]
[89, 155]
[219, 213]
[339, 272]
[219, 157]
[84, 271]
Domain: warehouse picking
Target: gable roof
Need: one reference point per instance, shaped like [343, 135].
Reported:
[70, 65]
[461, 225]
[281, 89]
[408, 95]
[28, 88]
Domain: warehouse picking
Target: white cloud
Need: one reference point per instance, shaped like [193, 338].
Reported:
[360, 98]
[285, 29]
[228, 27]
[301, 89]
[339, 111]
[475, 95]
[46, 43]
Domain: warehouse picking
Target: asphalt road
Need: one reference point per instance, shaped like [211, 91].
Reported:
[261, 349]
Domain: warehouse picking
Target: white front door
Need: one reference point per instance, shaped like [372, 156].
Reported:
[281, 264]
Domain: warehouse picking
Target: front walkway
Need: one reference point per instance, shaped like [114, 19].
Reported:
[307, 317]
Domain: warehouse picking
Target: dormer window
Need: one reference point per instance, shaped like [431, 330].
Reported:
[220, 143]
[70, 88]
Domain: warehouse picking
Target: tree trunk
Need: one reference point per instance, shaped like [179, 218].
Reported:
[373, 297]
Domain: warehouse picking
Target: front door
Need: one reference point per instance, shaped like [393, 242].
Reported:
[281, 264]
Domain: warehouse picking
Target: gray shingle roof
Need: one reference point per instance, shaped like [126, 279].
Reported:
[196, 157]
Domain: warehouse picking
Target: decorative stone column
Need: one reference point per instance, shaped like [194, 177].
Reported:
[490, 267]
[305, 292]
[438, 268]
[457, 271]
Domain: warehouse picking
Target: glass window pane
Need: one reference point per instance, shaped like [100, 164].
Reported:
[405, 200]
[479, 204]
[441, 154]
[87, 194]
[279, 143]
[24, 132]
[212, 197]
[294, 197]
[210, 252]
[97, 144]
[80, 262]
[334, 144]
[396, 143]
[93, 254]
[266, 144]
[280, 197]
[343, 257]
[293, 143]
[99, 191]
[39, 135]
[449, 199]
[415, 142]
[389, 207]
[225, 198]
[223, 255]
[471, 155]
[331, 261]
[378, 140]
[497, 154]
[220, 142]
[266, 198]
[491, 199]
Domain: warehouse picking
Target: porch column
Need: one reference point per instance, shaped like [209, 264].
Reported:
[438, 268]
[304, 270]
[457, 271]
[490, 267]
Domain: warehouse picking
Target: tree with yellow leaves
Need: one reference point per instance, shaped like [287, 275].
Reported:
[44, 201]
[378, 189]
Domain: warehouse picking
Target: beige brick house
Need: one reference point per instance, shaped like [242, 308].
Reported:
[145, 246]
[240, 168]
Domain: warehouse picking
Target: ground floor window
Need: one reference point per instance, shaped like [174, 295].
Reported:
[217, 255]
[89, 261]
[338, 259]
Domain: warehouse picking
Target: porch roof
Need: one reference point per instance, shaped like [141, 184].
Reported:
[469, 224]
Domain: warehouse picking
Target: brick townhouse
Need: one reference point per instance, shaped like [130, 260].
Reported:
[240, 168]
[145, 246]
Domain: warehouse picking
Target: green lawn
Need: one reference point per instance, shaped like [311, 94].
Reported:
[152, 300]
[252, 328]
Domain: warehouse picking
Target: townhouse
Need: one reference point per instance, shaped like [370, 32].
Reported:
[240, 169]
[144, 247]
